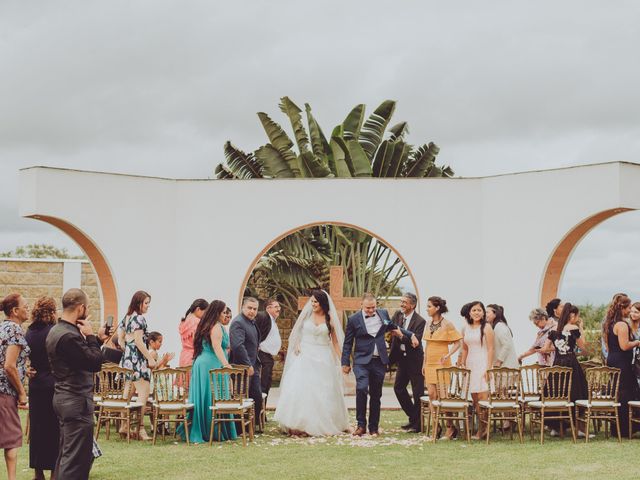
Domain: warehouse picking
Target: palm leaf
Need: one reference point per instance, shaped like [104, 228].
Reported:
[223, 173]
[356, 158]
[373, 129]
[421, 160]
[280, 141]
[339, 158]
[313, 167]
[319, 144]
[398, 131]
[274, 162]
[353, 123]
[292, 111]
[241, 164]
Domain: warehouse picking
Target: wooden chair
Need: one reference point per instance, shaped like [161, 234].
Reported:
[114, 403]
[425, 414]
[555, 389]
[634, 415]
[505, 387]
[171, 399]
[603, 384]
[263, 412]
[229, 387]
[452, 384]
[530, 391]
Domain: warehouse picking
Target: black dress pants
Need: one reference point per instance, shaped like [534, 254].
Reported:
[75, 415]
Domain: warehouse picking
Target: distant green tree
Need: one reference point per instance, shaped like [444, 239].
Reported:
[39, 251]
[592, 317]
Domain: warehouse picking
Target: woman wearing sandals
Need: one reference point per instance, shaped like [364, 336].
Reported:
[132, 337]
[439, 335]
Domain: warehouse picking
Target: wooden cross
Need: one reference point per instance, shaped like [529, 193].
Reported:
[336, 285]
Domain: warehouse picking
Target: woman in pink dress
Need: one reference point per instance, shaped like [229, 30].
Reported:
[477, 352]
[187, 330]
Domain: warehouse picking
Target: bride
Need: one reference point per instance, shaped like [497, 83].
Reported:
[311, 391]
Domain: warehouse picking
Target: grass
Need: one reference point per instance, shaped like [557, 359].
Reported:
[394, 454]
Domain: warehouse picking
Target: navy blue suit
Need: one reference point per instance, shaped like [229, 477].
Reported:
[368, 369]
[245, 338]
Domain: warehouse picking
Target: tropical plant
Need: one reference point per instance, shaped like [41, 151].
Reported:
[356, 148]
[301, 261]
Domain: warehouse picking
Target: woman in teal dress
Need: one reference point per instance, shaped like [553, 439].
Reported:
[211, 346]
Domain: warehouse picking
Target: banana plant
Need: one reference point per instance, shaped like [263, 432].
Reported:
[356, 148]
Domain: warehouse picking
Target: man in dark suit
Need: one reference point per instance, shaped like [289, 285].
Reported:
[244, 339]
[270, 342]
[365, 336]
[409, 360]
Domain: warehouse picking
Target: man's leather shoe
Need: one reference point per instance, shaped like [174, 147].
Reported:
[374, 433]
[413, 429]
[360, 431]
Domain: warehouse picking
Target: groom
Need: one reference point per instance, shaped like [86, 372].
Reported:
[366, 330]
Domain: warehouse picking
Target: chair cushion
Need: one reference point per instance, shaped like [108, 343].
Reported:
[450, 403]
[118, 404]
[597, 403]
[498, 404]
[97, 398]
[174, 406]
[247, 403]
[530, 398]
[424, 398]
[550, 404]
[634, 403]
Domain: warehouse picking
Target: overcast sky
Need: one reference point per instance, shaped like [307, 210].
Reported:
[157, 87]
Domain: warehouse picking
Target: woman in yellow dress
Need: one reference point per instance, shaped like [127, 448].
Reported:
[439, 334]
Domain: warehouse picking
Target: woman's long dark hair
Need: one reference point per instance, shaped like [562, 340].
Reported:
[466, 313]
[567, 310]
[209, 318]
[323, 300]
[200, 303]
[614, 314]
[499, 309]
[136, 302]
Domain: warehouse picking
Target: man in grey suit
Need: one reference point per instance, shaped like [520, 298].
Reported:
[245, 338]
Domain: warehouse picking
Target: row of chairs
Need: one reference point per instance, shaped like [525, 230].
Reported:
[539, 392]
[170, 401]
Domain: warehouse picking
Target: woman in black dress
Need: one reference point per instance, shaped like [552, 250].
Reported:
[43, 423]
[564, 340]
[618, 337]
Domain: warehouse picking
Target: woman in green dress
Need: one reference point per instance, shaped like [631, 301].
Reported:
[211, 347]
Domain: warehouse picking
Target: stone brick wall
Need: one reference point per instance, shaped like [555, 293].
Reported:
[36, 278]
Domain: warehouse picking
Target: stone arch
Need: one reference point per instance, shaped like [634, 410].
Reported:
[557, 263]
[106, 282]
[314, 224]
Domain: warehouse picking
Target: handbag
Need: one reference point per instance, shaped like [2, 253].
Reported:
[111, 352]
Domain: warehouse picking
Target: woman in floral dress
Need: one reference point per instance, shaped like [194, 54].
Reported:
[133, 338]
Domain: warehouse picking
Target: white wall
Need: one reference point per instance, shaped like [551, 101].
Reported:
[463, 239]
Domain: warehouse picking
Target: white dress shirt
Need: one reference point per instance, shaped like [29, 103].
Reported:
[273, 342]
[405, 325]
[373, 325]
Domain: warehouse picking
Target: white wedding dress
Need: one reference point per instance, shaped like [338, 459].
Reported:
[311, 392]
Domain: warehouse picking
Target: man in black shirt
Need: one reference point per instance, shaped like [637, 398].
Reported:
[74, 355]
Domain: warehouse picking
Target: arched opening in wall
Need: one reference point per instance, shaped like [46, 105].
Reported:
[104, 286]
[597, 258]
[304, 258]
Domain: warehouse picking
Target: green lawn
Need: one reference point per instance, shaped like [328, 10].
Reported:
[394, 454]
